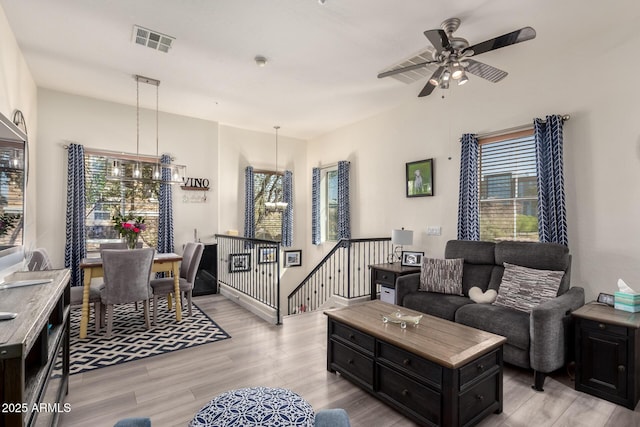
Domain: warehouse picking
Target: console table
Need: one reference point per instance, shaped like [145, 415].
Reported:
[438, 373]
[31, 345]
[386, 275]
[608, 353]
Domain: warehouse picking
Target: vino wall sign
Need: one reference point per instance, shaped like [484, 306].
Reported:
[195, 184]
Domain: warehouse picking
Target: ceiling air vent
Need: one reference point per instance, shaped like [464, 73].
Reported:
[152, 39]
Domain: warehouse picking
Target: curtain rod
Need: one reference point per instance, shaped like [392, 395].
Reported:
[565, 118]
[119, 154]
[330, 165]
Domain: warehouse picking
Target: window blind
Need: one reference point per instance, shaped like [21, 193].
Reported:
[106, 197]
[508, 188]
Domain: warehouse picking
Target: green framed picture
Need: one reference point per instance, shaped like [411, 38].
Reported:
[419, 178]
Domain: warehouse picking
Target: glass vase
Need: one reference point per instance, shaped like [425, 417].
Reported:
[132, 240]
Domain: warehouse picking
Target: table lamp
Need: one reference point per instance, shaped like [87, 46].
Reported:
[400, 238]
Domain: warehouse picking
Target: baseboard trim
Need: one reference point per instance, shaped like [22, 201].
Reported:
[256, 307]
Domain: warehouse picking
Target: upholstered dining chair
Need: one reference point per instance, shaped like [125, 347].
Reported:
[188, 269]
[126, 279]
[40, 261]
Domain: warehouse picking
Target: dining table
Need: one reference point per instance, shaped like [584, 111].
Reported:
[162, 263]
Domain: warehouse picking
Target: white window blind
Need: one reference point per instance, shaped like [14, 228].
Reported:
[508, 188]
[105, 198]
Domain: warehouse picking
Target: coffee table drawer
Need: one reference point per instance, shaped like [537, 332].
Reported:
[354, 337]
[351, 363]
[423, 369]
[410, 394]
[478, 398]
[478, 367]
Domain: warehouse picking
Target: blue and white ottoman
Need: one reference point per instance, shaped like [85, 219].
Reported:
[255, 406]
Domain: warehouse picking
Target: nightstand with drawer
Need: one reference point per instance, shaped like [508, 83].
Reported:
[608, 353]
[385, 275]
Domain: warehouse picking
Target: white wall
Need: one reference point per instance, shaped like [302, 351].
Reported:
[18, 92]
[602, 154]
[65, 118]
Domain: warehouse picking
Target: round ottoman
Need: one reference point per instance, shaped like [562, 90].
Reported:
[255, 406]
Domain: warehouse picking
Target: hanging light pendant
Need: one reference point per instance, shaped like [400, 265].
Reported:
[276, 206]
[131, 167]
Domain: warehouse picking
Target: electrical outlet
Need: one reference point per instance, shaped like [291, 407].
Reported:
[435, 230]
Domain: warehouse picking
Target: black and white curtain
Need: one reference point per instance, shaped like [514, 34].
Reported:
[75, 247]
[315, 207]
[344, 215]
[287, 214]
[249, 204]
[468, 198]
[552, 215]
[165, 210]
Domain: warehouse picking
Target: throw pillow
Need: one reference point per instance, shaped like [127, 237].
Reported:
[524, 288]
[441, 275]
[476, 295]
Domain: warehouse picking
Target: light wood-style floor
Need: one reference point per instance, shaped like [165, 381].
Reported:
[171, 388]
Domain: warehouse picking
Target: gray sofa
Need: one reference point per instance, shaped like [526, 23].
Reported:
[539, 340]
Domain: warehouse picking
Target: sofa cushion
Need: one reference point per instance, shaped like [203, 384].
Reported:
[435, 304]
[441, 275]
[538, 255]
[524, 288]
[511, 324]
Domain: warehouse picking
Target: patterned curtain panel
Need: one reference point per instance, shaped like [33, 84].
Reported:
[287, 215]
[468, 218]
[75, 247]
[249, 208]
[165, 210]
[344, 215]
[552, 215]
[315, 206]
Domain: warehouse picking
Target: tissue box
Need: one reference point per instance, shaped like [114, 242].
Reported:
[627, 302]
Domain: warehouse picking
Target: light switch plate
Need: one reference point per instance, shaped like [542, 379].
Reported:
[434, 230]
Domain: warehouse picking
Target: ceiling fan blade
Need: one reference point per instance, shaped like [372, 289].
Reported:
[438, 39]
[430, 86]
[485, 71]
[403, 69]
[518, 36]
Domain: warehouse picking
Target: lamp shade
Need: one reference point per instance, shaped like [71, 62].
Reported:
[402, 237]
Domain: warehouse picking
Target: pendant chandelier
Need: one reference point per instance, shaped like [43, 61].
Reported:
[276, 206]
[130, 167]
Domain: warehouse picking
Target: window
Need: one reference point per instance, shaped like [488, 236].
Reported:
[508, 188]
[329, 204]
[106, 197]
[268, 198]
[11, 193]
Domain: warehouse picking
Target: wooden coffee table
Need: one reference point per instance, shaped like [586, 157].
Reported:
[436, 373]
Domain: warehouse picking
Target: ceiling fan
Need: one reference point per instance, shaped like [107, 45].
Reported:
[452, 55]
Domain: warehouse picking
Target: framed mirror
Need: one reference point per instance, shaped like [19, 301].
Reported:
[13, 173]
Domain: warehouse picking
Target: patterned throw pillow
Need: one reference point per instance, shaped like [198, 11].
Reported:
[441, 275]
[524, 288]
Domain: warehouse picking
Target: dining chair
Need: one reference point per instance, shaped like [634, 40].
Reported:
[126, 274]
[40, 261]
[118, 245]
[188, 269]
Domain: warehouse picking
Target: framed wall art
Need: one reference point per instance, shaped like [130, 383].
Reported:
[293, 258]
[419, 178]
[267, 254]
[239, 262]
[411, 259]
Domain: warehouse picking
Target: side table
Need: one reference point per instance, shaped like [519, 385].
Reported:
[386, 275]
[608, 353]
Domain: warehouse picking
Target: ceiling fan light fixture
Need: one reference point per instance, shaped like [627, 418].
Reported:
[462, 80]
[445, 76]
[444, 84]
[456, 71]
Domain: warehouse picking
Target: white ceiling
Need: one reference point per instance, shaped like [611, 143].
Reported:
[322, 59]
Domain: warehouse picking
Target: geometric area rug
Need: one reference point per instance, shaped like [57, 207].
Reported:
[130, 340]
